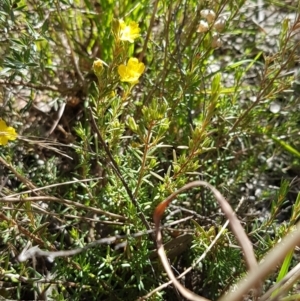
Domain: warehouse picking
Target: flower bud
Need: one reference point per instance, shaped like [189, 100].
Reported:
[220, 24]
[209, 15]
[203, 26]
[216, 41]
[98, 67]
[132, 125]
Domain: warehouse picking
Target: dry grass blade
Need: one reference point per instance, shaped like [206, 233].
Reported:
[62, 201]
[268, 264]
[283, 284]
[236, 227]
[22, 179]
[48, 144]
[54, 185]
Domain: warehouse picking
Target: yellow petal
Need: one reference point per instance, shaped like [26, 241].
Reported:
[11, 133]
[3, 140]
[134, 29]
[6, 133]
[122, 70]
[140, 68]
[132, 62]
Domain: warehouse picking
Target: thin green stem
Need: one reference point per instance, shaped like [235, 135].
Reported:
[145, 153]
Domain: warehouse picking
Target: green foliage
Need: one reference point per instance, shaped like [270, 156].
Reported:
[100, 151]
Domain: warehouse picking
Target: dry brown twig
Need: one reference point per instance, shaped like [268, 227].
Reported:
[32, 252]
[46, 198]
[40, 86]
[22, 179]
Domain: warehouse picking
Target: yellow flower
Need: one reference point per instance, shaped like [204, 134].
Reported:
[132, 72]
[129, 32]
[6, 133]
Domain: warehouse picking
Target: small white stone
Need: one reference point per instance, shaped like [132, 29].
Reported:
[275, 107]
[40, 162]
